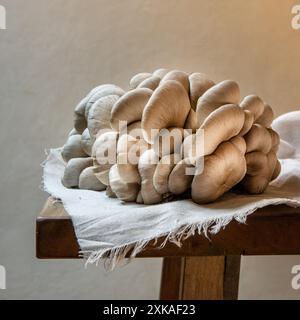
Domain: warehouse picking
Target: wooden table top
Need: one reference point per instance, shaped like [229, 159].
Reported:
[273, 230]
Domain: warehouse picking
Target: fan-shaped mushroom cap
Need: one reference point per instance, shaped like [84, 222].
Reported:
[277, 170]
[267, 117]
[254, 104]
[86, 142]
[88, 180]
[125, 191]
[222, 170]
[129, 108]
[260, 170]
[128, 172]
[102, 91]
[73, 170]
[72, 148]
[104, 154]
[147, 166]
[179, 76]
[160, 72]
[181, 177]
[199, 84]
[249, 120]
[151, 83]
[105, 148]
[221, 125]
[258, 139]
[162, 172]
[168, 107]
[99, 115]
[225, 92]
[139, 78]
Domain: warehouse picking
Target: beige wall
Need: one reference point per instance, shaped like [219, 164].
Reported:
[54, 51]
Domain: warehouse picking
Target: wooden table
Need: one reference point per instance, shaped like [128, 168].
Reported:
[200, 269]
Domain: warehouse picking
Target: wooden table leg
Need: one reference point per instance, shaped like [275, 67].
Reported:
[200, 278]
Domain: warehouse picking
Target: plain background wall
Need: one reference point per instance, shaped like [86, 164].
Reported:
[54, 51]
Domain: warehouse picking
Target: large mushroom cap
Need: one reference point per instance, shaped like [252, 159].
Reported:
[139, 78]
[88, 180]
[199, 84]
[151, 83]
[147, 166]
[125, 191]
[102, 91]
[179, 76]
[99, 115]
[160, 72]
[162, 172]
[267, 117]
[222, 170]
[181, 177]
[254, 104]
[225, 92]
[129, 108]
[258, 139]
[73, 170]
[168, 107]
[73, 148]
[222, 125]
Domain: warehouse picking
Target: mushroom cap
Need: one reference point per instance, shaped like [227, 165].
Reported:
[267, 117]
[86, 142]
[99, 115]
[73, 170]
[151, 83]
[147, 166]
[129, 108]
[102, 91]
[222, 170]
[181, 177]
[139, 78]
[162, 172]
[88, 180]
[249, 120]
[128, 172]
[221, 125]
[105, 148]
[258, 173]
[168, 107]
[225, 92]
[73, 148]
[199, 84]
[180, 76]
[124, 191]
[254, 104]
[161, 72]
[258, 139]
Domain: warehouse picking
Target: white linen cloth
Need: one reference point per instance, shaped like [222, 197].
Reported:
[103, 225]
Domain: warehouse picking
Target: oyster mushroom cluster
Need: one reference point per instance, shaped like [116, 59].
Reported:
[170, 134]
